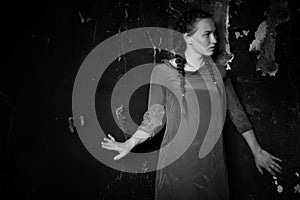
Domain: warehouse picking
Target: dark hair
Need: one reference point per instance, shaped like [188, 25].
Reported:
[185, 24]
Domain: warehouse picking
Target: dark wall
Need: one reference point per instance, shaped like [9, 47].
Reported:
[45, 42]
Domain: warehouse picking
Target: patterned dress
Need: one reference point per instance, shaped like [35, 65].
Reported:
[191, 162]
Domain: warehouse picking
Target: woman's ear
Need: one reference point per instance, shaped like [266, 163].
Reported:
[187, 38]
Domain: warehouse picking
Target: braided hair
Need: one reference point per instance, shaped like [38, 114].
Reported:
[185, 24]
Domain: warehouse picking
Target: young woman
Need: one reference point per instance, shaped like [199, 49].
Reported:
[200, 172]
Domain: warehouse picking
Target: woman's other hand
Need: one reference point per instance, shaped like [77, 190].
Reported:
[122, 147]
[263, 159]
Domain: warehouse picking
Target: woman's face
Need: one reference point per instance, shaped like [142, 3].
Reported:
[203, 40]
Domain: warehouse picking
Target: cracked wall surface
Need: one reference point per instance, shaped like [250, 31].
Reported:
[44, 45]
[265, 37]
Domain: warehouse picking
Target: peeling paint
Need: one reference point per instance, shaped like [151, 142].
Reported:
[238, 2]
[126, 13]
[172, 10]
[265, 38]
[297, 188]
[121, 118]
[260, 36]
[279, 189]
[238, 34]
[65, 17]
[227, 46]
[221, 17]
[246, 32]
[82, 19]
[226, 31]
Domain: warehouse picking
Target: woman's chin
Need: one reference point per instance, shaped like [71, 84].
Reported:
[209, 53]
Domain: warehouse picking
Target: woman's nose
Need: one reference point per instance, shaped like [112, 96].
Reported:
[213, 39]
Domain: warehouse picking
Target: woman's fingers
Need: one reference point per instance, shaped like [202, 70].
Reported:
[275, 158]
[109, 146]
[107, 140]
[272, 167]
[269, 162]
[275, 168]
[269, 169]
[111, 137]
[117, 157]
[259, 169]
[271, 172]
[276, 165]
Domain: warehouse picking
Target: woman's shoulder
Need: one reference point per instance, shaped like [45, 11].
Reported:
[167, 65]
[163, 70]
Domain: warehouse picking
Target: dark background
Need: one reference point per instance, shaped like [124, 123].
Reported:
[45, 42]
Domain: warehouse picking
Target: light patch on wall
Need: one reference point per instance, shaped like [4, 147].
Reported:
[265, 38]
[244, 33]
[260, 36]
[264, 45]
[221, 18]
[120, 114]
[279, 189]
[238, 2]
[297, 188]
[83, 19]
[227, 39]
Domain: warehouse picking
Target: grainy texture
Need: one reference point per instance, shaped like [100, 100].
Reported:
[44, 45]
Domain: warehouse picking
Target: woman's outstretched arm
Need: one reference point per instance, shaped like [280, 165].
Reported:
[153, 119]
[137, 138]
[262, 158]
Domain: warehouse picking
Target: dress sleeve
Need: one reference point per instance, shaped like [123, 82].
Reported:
[236, 111]
[154, 117]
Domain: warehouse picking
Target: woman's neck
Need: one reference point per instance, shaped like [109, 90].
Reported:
[194, 60]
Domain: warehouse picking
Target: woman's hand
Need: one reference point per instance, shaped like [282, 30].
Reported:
[266, 160]
[122, 147]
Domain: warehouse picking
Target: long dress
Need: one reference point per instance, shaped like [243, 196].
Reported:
[191, 162]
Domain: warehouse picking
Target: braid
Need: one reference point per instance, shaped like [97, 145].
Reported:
[181, 73]
[185, 24]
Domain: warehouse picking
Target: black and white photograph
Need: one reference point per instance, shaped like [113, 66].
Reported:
[150, 100]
